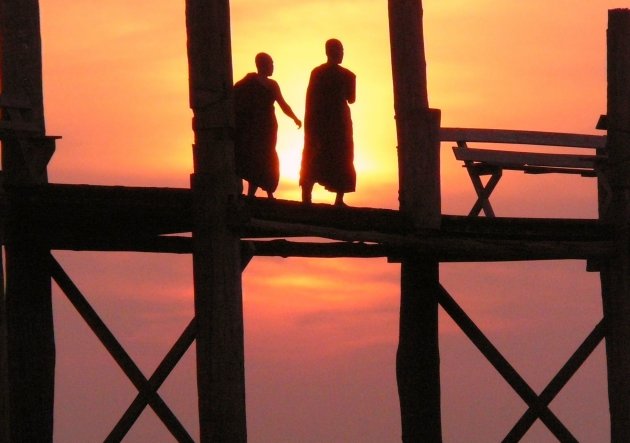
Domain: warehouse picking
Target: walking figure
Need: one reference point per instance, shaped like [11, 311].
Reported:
[328, 155]
[257, 128]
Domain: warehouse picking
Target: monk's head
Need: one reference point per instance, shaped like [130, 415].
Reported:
[264, 64]
[334, 51]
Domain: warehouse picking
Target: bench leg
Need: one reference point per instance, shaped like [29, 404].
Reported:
[483, 192]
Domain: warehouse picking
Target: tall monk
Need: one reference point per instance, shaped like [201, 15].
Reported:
[328, 155]
[257, 128]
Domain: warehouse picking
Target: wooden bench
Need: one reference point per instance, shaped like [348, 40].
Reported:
[479, 162]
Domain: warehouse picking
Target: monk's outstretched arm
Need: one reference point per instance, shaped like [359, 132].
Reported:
[286, 108]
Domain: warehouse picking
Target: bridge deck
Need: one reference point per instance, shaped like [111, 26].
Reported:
[87, 217]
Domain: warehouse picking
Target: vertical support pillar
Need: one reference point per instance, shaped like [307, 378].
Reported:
[30, 369]
[216, 250]
[417, 127]
[615, 273]
[418, 356]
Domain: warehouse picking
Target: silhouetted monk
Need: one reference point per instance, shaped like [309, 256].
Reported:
[328, 156]
[257, 127]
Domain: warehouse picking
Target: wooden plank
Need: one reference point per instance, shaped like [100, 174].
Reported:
[520, 159]
[527, 228]
[546, 170]
[441, 247]
[523, 137]
[77, 213]
[362, 218]
[447, 247]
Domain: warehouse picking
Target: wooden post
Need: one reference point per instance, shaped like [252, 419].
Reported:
[418, 356]
[29, 321]
[417, 126]
[615, 273]
[216, 250]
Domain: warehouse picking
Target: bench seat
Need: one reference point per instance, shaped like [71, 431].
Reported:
[480, 161]
[530, 162]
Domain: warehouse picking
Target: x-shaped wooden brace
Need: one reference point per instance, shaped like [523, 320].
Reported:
[475, 171]
[538, 404]
[147, 389]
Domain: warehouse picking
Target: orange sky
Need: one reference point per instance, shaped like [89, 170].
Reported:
[321, 335]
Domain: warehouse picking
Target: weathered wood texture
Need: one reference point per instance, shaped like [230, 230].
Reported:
[30, 337]
[85, 217]
[417, 126]
[519, 137]
[530, 161]
[216, 249]
[446, 248]
[615, 274]
[417, 129]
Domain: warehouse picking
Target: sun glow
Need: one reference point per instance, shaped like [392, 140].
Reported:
[289, 147]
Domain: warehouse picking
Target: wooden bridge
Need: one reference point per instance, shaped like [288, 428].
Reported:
[228, 230]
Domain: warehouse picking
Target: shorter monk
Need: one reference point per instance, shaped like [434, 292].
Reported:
[257, 128]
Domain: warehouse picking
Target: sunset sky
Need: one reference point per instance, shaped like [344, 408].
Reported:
[321, 335]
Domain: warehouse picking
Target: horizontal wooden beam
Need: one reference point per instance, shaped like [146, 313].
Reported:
[114, 218]
[450, 248]
[519, 159]
[369, 245]
[84, 211]
[523, 137]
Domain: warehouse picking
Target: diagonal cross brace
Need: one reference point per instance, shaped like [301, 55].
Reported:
[504, 367]
[163, 370]
[558, 382]
[483, 192]
[117, 351]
